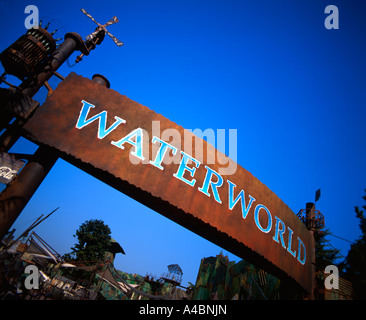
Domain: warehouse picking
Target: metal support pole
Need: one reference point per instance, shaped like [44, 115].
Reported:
[310, 216]
[73, 42]
[30, 86]
[16, 196]
[313, 261]
[11, 135]
[310, 224]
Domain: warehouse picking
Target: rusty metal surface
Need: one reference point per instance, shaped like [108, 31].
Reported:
[53, 124]
[315, 222]
[19, 104]
[29, 53]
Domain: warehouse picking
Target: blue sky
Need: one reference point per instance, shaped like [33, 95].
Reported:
[294, 91]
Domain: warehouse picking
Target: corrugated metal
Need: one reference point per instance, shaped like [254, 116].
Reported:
[221, 279]
[344, 291]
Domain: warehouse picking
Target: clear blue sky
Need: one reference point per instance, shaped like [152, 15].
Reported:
[294, 91]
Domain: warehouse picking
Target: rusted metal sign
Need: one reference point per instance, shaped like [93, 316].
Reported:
[116, 139]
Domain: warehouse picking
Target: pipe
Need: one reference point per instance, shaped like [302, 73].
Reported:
[16, 196]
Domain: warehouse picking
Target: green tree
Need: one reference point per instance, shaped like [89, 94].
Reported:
[93, 240]
[325, 253]
[355, 262]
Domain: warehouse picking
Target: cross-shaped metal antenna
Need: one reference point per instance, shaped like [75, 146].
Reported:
[102, 28]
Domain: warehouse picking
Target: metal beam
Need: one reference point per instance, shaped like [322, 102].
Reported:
[16, 196]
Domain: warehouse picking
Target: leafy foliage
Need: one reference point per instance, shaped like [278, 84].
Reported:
[93, 240]
[325, 254]
[355, 262]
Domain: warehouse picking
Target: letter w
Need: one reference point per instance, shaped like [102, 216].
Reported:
[102, 116]
[241, 197]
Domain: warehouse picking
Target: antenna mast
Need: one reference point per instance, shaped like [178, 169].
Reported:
[34, 58]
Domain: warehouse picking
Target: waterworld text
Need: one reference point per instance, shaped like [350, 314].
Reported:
[188, 165]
